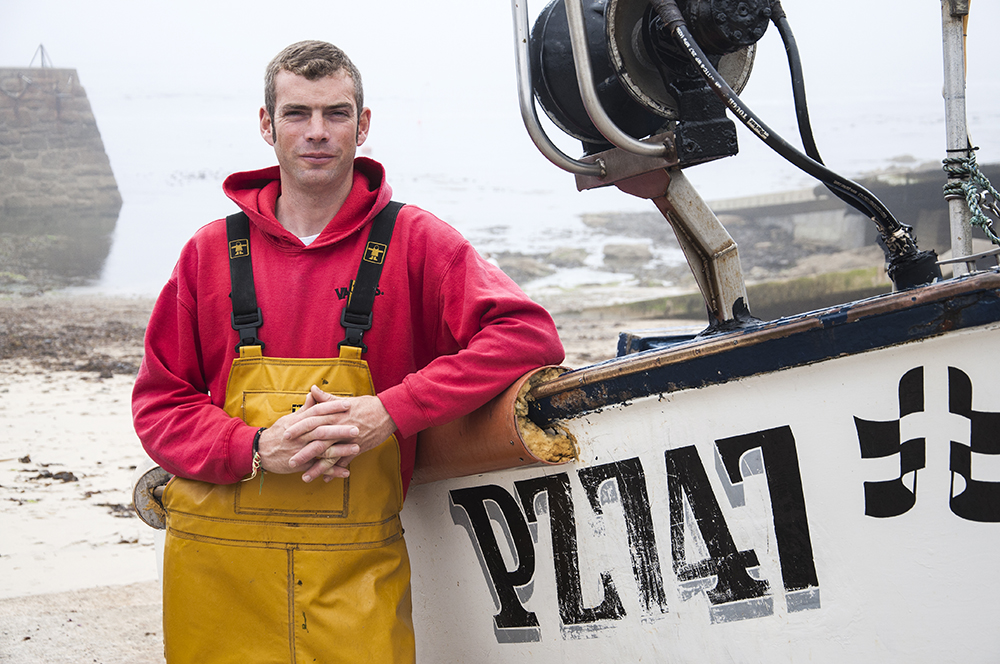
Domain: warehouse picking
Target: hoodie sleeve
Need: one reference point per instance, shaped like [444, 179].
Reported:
[174, 413]
[488, 334]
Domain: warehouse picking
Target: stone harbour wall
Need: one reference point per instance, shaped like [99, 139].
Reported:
[59, 201]
[51, 153]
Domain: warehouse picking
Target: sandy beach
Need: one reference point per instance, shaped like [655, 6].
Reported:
[78, 571]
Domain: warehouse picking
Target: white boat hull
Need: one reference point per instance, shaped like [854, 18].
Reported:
[841, 509]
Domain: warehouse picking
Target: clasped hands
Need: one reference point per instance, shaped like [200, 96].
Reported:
[324, 435]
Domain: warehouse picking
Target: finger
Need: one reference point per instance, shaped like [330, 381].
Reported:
[319, 431]
[329, 406]
[341, 450]
[309, 452]
[324, 467]
[315, 396]
[345, 460]
[322, 450]
[319, 396]
[340, 433]
[316, 416]
[335, 473]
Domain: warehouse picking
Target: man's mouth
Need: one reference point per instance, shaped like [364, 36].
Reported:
[317, 157]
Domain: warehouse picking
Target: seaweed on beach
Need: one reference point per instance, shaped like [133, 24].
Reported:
[55, 338]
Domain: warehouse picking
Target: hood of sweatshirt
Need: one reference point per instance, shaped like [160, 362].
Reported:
[257, 192]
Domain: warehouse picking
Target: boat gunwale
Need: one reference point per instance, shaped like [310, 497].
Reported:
[568, 387]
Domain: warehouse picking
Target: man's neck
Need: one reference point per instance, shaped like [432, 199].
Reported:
[305, 213]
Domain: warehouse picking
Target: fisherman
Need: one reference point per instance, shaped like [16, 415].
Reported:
[290, 361]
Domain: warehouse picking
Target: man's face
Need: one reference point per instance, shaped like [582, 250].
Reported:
[316, 130]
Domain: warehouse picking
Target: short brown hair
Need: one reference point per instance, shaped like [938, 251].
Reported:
[312, 59]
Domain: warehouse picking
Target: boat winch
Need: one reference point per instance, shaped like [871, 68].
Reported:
[644, 81]
[645, 86]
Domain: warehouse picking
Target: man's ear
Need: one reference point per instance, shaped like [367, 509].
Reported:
[266, 126]
[364, 124]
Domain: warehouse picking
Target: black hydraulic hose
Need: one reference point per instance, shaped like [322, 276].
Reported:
[898, 241]
[799, 96]
[798, 80]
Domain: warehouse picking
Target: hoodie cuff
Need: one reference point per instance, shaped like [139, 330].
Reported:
[241, 451]
[408, 417]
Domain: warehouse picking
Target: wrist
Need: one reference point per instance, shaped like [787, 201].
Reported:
[255, 459]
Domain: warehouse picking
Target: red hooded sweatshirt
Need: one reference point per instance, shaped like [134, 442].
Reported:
[450, 331]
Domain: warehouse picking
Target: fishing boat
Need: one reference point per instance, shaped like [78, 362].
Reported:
[748, 492]
[745, 492]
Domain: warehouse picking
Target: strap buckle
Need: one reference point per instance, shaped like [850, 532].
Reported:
[355, 325]
[247, 326]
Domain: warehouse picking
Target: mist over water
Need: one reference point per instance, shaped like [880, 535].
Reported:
[177, 109]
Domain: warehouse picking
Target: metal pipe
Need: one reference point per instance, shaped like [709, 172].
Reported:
[526, 100]
[953, 40]
[588, 92]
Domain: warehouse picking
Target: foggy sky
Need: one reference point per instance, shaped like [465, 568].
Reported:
[887, 51]
[176, 89]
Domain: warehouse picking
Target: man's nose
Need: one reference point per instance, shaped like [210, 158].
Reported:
[317, 129]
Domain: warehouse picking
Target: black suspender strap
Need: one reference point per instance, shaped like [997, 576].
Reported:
[247, 317]
[357, 315]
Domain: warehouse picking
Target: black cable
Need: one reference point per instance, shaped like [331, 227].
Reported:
[896, 236]
[798, 80]
[799, 98]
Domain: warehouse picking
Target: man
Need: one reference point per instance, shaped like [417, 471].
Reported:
[283, 567]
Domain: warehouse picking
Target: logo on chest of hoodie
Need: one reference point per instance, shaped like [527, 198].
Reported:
[344, 293]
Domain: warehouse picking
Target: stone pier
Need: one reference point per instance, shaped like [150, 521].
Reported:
[58, 201]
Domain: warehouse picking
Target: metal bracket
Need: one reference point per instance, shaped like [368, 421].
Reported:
[710, 250]
[526, 100]
[620, 165]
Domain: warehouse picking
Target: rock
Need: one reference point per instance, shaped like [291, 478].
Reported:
[644, 225]
[567, 257]
[523, 268]
[623, 257]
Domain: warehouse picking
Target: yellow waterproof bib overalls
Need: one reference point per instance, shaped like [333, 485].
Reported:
[278, 570]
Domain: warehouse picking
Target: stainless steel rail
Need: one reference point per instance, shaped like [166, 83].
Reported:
[588, 92]
[526, 99]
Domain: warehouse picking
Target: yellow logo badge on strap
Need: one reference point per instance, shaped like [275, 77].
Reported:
[375, 252]
[239, 249]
